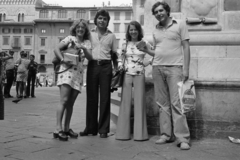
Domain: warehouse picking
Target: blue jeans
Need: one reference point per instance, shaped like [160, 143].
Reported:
[172, 121]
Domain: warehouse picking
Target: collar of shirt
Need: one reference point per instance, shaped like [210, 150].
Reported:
[173, 20]
[95, 30]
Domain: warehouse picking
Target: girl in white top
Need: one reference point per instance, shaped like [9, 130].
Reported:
[134, 77]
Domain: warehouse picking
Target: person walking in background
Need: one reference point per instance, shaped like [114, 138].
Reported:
[9, 75]
[22, 74]
[70, 81]
[99, 75]
[38, 79]
[46, 81]
[33, 66]
[134, 77]
[170, 66]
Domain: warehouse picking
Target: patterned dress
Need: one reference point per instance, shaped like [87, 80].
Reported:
[22, 76]
[74, 76]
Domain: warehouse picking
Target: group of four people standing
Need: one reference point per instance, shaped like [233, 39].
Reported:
[171, 56]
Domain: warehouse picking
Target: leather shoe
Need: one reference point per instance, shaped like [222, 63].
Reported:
[103, 135]
[71, 134]
[86, 134]
[60, 135]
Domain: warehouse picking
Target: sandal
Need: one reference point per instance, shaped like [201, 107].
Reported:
[60, 135]
[71, 134]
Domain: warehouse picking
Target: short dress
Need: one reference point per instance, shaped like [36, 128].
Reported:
[73, 76]
[22, 77]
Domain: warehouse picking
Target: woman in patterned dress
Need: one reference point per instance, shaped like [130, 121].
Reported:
[22, 75]
[134, 77]
[70, 81]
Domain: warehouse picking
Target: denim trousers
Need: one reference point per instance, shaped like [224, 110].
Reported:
[140, 119]
[173, 124]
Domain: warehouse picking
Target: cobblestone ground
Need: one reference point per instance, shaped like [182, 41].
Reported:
[26, 134]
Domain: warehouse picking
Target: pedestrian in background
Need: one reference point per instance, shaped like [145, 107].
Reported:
[4, 56]
[134, 78]
[99, 75]
[10, 64]
[70, 81]
[38, 79]
[22, 74]
[170, 66]
[33, 66]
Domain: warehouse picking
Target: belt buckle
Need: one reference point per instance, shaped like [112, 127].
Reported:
[99, 62]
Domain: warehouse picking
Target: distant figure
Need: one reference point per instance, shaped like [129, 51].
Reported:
[46, 81]
[22, 73]
[9, 75]
[33, 66]
[38, 79]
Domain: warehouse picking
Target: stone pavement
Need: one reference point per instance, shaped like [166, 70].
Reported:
[26, 134]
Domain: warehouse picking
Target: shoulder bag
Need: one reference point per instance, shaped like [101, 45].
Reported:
[118, 76]
[57, 62]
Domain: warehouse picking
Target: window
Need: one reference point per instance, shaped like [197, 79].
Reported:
[2, 17]
[62, 14]
[126, 26]
[116, 15]
[116, 27]
[81, 14]
[43, 41]
[42, 58]
[16, 41]
[142, 3]
[93, 13]
[43, 31]
[6, 30]
[5, 40]
[61, 31]
[16, 30]
[20, 17]
[128, 15]
[28, 53]
[142, 20]
[27, 41]
[43, 14]
[28, 30]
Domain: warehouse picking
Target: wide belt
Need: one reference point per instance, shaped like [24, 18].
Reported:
[100, 62]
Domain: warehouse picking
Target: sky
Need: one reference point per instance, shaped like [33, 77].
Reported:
[87, 3]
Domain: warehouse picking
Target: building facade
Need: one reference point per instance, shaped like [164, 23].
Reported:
[36, 27]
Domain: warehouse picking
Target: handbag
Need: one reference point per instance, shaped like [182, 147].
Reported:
[57, 62]
[118, 76]
[21, 67]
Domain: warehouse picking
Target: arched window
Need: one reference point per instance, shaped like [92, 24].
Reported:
[81, 14]
[4, 16]
[62, 14]
[19, 17]
[22, 17]
[43, 14]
